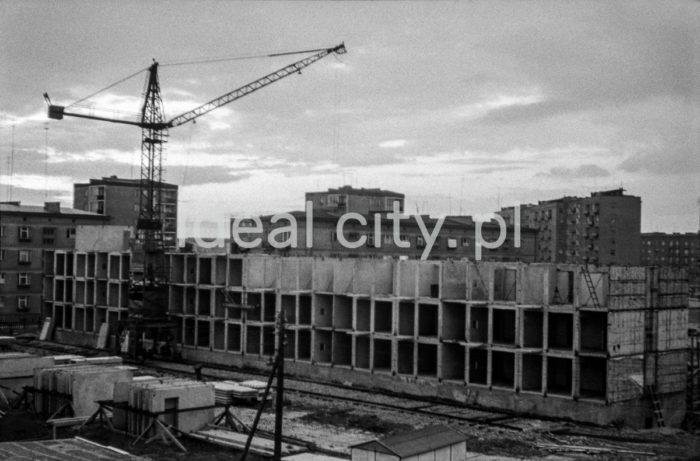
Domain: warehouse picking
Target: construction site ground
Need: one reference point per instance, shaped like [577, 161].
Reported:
[333, 425]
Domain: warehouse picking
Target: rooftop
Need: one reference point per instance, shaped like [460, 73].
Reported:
[413, 443]
[377, 192]
[48, 209]
[116, 181]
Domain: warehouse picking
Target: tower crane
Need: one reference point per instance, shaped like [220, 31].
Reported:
[154, 134]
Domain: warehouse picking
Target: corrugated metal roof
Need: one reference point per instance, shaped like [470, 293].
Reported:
[413, 443]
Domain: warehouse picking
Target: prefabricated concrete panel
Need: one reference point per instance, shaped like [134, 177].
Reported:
[406, 272]
[533, 283]
[428, 279]
[192, 395]
[383, 277]
[627, 289]
[343, 274]
[625, 332]
[259, 272]
[478, 282]
[454, 280]
[88, 388]
[323, 275]
[624, 374]
[364, 277]
[14, 365]
[671, 329]
[305, 273]
[290, 274]
[672, 371]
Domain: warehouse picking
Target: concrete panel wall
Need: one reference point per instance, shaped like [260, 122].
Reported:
[493, 325]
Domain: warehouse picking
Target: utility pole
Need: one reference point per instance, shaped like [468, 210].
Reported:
[280, 386]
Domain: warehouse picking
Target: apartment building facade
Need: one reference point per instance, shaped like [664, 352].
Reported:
[348, 199]
[119, 199]
[25, 233]
[676, 250]
[602, 229]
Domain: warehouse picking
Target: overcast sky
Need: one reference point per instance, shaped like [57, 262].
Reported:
[463, 106]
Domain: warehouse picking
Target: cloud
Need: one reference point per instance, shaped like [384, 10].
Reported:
[393, 143]
[38, 182]
[497, 103]
[582, 171]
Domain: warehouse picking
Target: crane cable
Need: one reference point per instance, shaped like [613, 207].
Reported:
[107, 87]
[237, 58]
[194, 61]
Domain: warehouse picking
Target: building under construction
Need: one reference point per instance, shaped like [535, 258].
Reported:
[601, 345]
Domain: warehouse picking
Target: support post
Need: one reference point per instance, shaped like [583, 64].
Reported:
[279, 411]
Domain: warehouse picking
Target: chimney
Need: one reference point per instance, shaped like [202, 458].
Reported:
[52, 207]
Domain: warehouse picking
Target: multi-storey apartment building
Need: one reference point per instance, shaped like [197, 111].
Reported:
[660, 249]
[679, 250]
[119, 199]
[25, 233]
[348, 199]
[601, 229]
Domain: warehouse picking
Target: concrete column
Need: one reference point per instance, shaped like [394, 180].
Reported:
[544, 374]
[489, 366]
[467, 351]
[575, 377]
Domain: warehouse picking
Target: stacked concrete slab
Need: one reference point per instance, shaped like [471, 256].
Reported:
[82, 386]
[155, 396]
[17, 370]
[525, 337]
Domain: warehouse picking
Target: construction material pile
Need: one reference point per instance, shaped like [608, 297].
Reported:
[184, 404]
[227, 392]
[76, 387]
[17, 371]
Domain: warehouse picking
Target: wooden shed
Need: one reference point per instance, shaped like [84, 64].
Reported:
[432, 443]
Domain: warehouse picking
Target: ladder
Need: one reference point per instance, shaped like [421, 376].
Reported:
[591, 288]
[658, 413]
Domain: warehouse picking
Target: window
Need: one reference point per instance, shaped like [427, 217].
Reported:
[388, 238]
[22, 303]
[370, 240]
[420, 243]
[23, 279]
[24, 257]
[2, 278]
[334, 237]
[70, 233]
[25, 233]
[465, 242]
